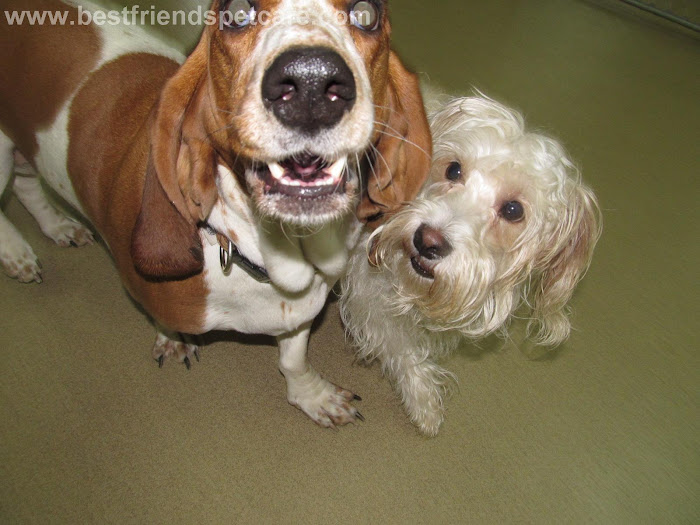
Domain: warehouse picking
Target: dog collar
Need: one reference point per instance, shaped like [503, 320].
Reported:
[229, 254]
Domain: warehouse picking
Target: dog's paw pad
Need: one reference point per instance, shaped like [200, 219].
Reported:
[165, 348]
[19, 261]
[68, 232]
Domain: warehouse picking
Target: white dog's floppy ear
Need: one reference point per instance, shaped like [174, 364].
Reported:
[562, 266]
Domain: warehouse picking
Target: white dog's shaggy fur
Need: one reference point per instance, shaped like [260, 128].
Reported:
[503, 220]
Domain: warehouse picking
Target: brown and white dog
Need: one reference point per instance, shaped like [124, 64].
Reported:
[253, 148]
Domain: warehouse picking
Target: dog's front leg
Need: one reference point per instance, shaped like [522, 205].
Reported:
[170, 345]
[327, 404]
[423, 386]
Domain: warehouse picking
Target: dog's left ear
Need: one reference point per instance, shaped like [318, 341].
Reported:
[562, 266]
[180, 188]
[403, 147]
[183, 156]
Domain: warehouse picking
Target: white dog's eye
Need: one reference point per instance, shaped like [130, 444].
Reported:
[365, 15]
[512, 211]
[454, 172]
[238, 14]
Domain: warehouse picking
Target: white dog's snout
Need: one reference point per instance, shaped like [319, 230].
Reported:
[431, 243]
[459, 221]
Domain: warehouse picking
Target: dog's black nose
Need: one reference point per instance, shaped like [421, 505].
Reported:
[309, 88]
[430, 243]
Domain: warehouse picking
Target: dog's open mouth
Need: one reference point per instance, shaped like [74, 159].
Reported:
[304, 177]
[304, 189]
[423, 267]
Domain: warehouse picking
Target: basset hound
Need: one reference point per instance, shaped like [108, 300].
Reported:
[228, 186]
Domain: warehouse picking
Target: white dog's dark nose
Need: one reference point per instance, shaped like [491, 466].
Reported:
[309, 88]
[431, 243]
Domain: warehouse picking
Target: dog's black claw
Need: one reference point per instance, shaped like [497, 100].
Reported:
[360, 416]
[73, 244]
[160, 360]
[356, 397]
[196, 355]
[187, 362]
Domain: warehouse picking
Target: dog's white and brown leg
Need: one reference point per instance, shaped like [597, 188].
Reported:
[325, 403]
[170, 345]
[16, 256]
[56, 226]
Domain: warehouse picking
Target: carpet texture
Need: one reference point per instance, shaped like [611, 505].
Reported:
[603, 431]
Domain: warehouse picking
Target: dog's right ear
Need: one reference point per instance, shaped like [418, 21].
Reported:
[164, 245]
[180, 186]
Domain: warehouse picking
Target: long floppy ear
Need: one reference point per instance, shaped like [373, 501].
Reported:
[562, 269]
[180, 186]
[403, 148]
[164, 245]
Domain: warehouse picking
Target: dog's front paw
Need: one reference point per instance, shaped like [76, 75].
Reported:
[67, 232]
[423, 388]
[326, 404]
[166, 348]
[428, 420]
[19, 261]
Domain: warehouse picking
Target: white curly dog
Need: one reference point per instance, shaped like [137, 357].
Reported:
[503, 221]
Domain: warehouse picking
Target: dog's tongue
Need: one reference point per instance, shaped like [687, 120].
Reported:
[306, 176]
[305, 166]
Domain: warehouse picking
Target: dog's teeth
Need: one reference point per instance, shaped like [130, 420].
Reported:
[277, 170]
[336, 169]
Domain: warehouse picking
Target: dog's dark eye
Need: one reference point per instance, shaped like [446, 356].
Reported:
[238, 14]
[512, 211]
[365, 15]
[454, 172]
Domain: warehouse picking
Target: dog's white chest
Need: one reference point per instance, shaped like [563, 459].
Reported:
[303, 265]
[239, 302]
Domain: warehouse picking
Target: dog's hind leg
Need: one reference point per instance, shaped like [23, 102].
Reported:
[16, 256]
[56, 226]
